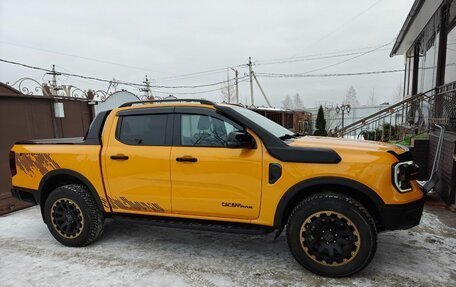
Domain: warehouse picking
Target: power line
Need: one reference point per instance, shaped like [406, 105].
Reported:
[172, 77]
[303, 59]
[319, 54]
[198, 92]
[213, 71]
[305, 75]
[81, 57]
[110, 81]
[349, 59]
[189, 75]
[191, 86]
[346, 22]
[277, 60]
[192, 75]
[241, 79]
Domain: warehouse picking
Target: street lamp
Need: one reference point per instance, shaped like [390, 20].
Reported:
[344, 109]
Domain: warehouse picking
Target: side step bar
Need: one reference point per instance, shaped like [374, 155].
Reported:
[206, 225]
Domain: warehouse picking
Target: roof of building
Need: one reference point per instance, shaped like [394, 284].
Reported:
[419, 15]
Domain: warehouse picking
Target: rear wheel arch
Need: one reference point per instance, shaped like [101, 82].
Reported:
[358, 191]
[61, 177]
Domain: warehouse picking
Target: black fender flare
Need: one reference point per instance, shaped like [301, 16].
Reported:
[71, 173]
[325, 180]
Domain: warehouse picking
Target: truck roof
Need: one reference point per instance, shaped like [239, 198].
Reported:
[167, 103]
[201, 101]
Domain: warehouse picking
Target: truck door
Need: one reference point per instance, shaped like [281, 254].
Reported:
[209, 179]
[136, 161]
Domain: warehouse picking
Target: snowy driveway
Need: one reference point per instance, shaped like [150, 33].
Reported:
[142, 255]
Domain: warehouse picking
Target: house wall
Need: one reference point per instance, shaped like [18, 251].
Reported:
[427, 40]
[282, 117]
[446, 186]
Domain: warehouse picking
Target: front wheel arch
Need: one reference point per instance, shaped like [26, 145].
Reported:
[61, 177]
[358, 191]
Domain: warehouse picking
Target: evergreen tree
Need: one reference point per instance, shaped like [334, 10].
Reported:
[320, 124]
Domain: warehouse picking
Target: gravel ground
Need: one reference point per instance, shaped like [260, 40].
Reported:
[142, 255]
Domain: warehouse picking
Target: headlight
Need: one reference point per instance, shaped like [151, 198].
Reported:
[403, 173]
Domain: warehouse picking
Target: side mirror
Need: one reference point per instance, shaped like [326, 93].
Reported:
[240, 139]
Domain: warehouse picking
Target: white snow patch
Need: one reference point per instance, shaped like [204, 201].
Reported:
[142, 255]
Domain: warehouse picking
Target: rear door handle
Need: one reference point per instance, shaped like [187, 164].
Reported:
[119, 157]
[186, 159]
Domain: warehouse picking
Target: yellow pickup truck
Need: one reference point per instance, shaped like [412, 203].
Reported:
[220, 167]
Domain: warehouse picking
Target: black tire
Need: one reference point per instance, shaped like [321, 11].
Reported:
[74, 205]
[332, 235]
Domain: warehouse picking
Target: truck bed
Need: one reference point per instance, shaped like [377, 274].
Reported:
[93, 136]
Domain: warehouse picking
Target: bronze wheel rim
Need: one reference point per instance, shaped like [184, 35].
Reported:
[67, 218]
[330, 238]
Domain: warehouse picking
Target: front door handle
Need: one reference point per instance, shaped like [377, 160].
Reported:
[119, 157]
[186, 159]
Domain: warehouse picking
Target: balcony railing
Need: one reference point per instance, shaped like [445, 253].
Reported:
[412, 116]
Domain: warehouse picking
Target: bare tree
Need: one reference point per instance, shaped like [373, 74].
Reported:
[372, 99]
[228, 93]
[297, 102]
[350, 97]
[287, 103]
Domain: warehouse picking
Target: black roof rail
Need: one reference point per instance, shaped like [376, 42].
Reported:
[204, 102]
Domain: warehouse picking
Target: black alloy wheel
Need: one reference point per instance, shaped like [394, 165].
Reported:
[73, 216]
[67, 218]
[332, 234]
[330, 238]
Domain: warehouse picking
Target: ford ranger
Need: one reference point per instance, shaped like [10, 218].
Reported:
[197, 164]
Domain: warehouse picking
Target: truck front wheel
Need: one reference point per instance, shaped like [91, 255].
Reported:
[72, 215]
[332, 235]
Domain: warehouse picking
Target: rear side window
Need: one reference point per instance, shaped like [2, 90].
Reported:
[149, 130]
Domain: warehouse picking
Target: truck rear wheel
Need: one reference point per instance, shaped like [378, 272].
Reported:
[332, 235]
[72, 215]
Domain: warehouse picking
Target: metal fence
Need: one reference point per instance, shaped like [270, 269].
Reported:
[25, 117]
[413, 115]
[445, 106]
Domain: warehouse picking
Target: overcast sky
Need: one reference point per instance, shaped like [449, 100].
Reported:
[127, 40]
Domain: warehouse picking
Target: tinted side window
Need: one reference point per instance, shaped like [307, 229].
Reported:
[203, 130]
[143, 129]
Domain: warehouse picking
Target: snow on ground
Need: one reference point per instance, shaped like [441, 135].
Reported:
[144, 255]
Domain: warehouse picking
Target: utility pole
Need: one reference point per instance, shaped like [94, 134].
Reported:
[114, 84]
[54, 87]
[261, 89]
[251, 81]
[237, 85]
[228, 84]
[147, 91]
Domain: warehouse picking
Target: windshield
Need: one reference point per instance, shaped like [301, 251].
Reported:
[269, 125]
